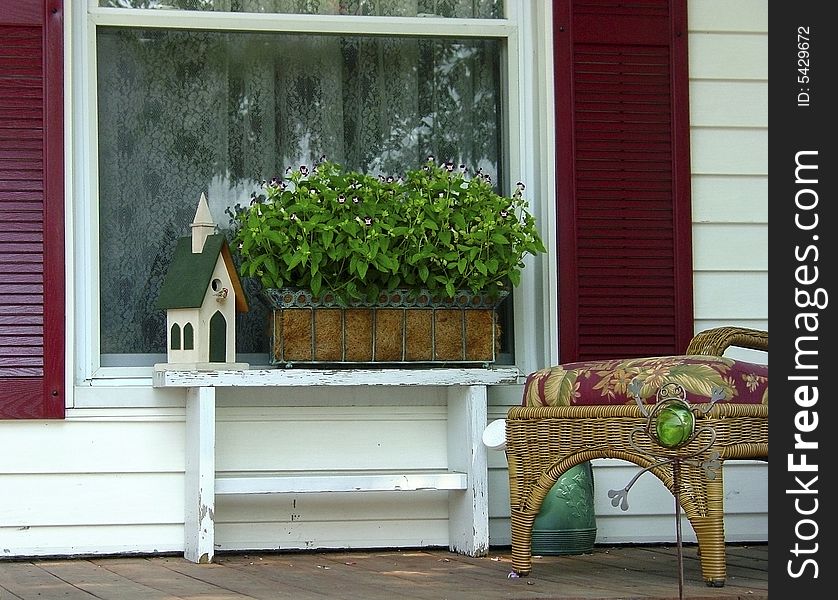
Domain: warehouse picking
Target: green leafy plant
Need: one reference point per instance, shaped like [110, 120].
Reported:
[354, 235]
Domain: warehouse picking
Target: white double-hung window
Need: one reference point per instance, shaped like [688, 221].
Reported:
[179, 97]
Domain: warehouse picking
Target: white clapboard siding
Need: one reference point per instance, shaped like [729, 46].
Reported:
[362, 506]
[721, 151]
[623, 529]
[66, 540]
[337, 534]
[723, 15]
[746, 490]
[329, 438]
[735, 295]
[715, 103]
[762, 324]
[305, 521]
[91, 499]
[719, 198]
[651, 513]
[325, 396]
[120, 443]
[730, 247]
[728, 56]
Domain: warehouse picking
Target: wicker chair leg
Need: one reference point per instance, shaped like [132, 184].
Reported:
[709, 531]
[521, 525]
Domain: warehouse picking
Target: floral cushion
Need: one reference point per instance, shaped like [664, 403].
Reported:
[606, 381]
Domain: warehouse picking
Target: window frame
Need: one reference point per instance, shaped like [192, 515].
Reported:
[526, 122]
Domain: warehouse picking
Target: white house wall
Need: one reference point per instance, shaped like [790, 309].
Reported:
[728, 61]
[109, 478]
[98, 482]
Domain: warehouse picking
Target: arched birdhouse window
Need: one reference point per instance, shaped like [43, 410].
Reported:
[175, 337]
[188, 337]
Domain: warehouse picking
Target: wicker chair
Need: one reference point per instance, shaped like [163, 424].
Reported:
[542, 442]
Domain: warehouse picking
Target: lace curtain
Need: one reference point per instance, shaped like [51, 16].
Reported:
[186, 112]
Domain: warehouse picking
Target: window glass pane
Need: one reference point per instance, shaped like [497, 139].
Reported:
[185, 112]
[479, 9]
[175, 337]
[188, 337]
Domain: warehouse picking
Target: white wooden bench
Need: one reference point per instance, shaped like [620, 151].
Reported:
[465, 478]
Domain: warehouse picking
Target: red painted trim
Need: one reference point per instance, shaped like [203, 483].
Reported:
[682, 184]
[54, 285]
[568, 305]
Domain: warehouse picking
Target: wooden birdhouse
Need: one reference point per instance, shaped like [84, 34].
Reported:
[201, 295]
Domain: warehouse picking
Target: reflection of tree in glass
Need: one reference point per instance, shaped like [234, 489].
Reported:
[492, 9]
[458, 114]
[163, 4]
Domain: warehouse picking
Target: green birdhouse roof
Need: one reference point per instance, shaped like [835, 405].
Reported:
[189, 274]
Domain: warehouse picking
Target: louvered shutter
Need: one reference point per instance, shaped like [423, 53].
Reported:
[624, 222]
[31, 210]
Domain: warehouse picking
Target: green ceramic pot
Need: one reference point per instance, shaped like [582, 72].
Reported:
[566, 523]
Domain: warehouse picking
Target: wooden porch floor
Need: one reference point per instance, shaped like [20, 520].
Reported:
[624, 572]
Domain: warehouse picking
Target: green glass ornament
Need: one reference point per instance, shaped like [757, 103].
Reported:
[674, 425]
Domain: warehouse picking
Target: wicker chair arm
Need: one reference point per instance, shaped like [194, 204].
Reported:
[714, 342]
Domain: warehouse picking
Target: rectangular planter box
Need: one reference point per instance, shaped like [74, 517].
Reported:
[399, 329]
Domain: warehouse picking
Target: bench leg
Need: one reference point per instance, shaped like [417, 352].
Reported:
[468, 510]
[199, 512]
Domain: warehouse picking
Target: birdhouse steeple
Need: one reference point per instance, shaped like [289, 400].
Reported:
[202, 225]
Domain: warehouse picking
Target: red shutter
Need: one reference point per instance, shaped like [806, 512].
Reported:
[624, 220]
[31, 210]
